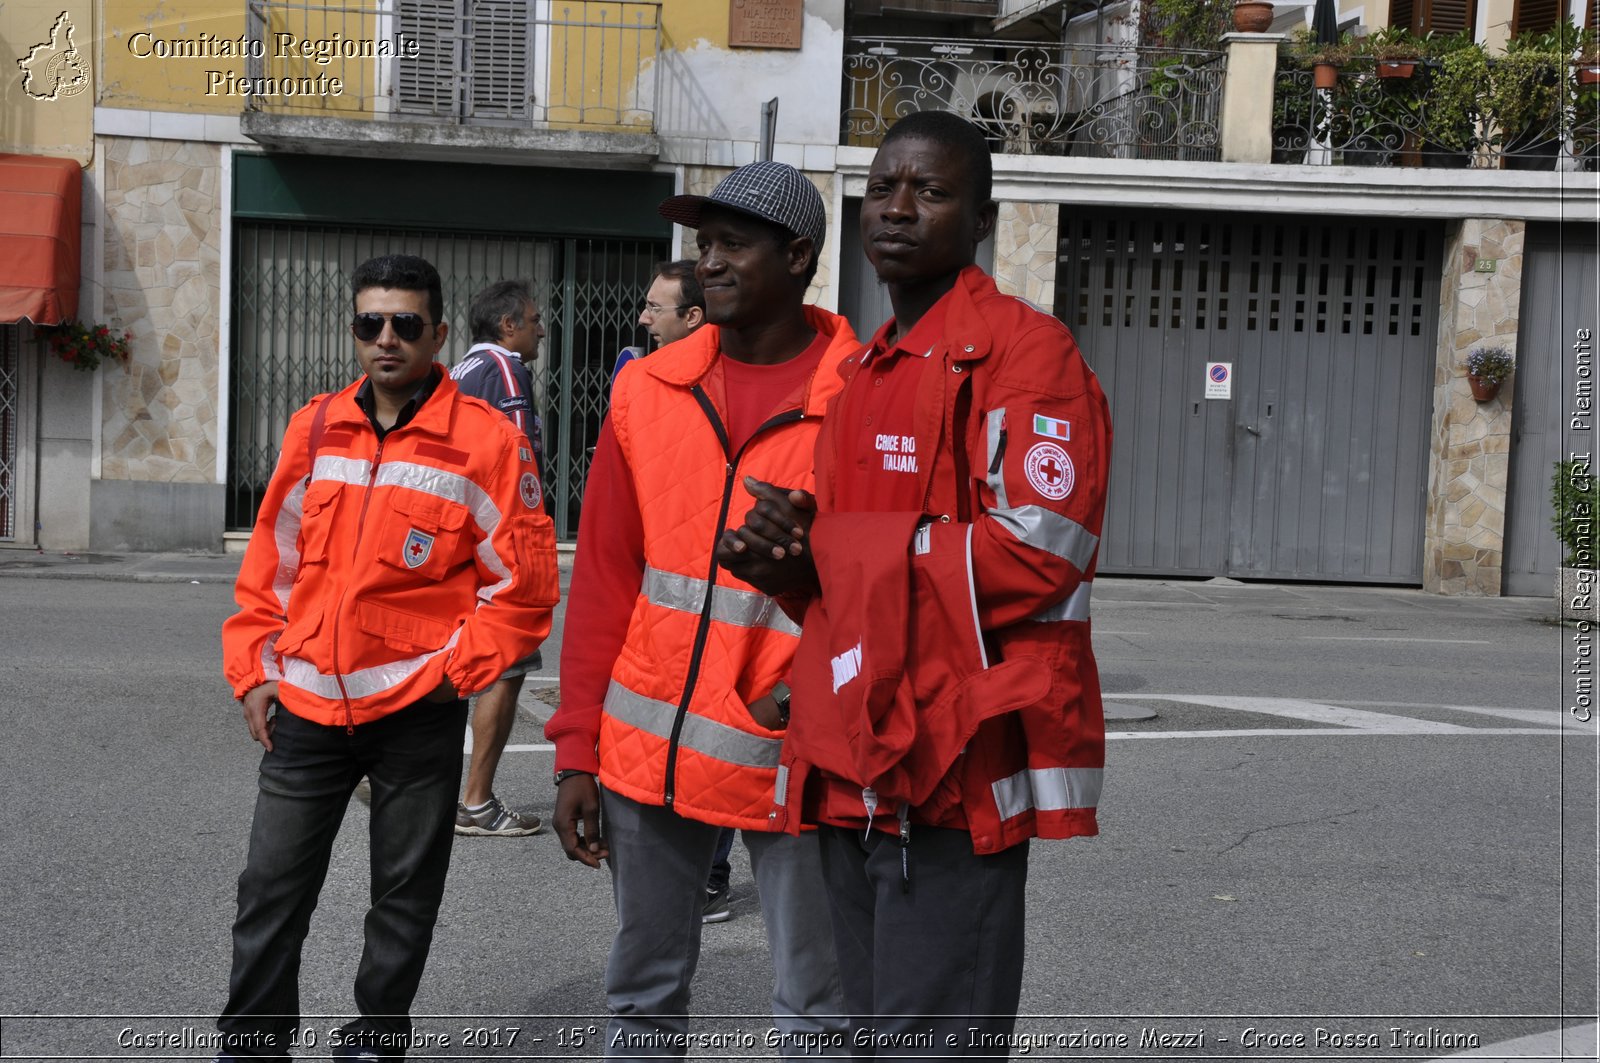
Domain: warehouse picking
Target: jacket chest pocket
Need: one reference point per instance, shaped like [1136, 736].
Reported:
[423, 535]
[317, 518]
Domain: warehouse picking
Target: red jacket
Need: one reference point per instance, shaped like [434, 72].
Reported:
[946, 669]
[393, 564]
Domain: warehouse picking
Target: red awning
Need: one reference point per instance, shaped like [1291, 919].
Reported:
[41, 204]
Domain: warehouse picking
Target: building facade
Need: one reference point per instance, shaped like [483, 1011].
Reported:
[1183, 199]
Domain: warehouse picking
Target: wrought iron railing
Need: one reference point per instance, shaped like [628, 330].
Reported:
[1368, 120]
[1106, 101]
[517, 63]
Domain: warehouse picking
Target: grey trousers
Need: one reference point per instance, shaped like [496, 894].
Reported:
[659, 863]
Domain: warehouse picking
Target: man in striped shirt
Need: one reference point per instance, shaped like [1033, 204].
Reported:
[506, 330]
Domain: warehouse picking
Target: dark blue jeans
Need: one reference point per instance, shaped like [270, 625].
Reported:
[412, 759]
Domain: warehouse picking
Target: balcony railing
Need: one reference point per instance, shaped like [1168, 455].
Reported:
[579, 64]
[1105, 101]
[1368, 120]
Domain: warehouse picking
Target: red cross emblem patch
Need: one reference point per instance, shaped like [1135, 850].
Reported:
[418, 546]
[530, 490]
[1049, 470]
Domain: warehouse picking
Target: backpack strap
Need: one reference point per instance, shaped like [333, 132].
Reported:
[319, 422]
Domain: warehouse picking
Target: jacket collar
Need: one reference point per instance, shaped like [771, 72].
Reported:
[965, 326]
[433, 417]
[686, 362]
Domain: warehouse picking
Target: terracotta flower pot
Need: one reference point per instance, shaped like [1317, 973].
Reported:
[1396, 68]
[1588, 73]
[1324, 75]
[1252, 16]
[1481, 390]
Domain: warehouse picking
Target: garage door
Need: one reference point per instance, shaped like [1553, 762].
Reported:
[1310, 460]
[1560, 279]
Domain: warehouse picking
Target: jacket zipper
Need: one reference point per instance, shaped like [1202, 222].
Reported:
[361, 524]
[703, 629]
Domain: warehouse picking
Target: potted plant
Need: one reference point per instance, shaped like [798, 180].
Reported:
[1487, 369]
[1458, 68]
[84, 347]
[1526, 97]
[1575, 498]
[1323, 59]
[1394, 52]
[1586, 64]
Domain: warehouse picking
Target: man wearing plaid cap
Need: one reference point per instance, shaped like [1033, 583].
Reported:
[675, 701]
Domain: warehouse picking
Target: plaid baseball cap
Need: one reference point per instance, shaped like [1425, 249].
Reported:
[772, 191]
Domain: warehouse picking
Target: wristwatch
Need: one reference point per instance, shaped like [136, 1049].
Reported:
[567, 773]
[780, 694]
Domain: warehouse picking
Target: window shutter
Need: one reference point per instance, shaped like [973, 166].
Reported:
[1591, 15]
[500, 70]
[1536, 16]
[1439, 16]
[1449, 16]
[427, 84]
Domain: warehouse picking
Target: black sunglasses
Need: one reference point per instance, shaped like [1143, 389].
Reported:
[367, 327]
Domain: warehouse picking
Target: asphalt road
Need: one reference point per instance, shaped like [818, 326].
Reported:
[1359, 811]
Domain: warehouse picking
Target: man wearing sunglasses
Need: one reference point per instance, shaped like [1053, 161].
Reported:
[506, 330]
[401, 561]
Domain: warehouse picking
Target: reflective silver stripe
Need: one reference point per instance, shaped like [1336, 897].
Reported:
[996, 478]
[780, 792]
[286, 538]
[729, 605]
[972, 596]
[1047, 790]
[364, 683]
[1074, 607]
[1048, 530]
[353, 471]
[724, 743]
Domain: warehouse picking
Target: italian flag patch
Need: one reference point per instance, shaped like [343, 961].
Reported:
[1052, 427]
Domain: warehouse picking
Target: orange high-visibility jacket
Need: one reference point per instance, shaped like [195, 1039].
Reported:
[393, 564]
[702, 645]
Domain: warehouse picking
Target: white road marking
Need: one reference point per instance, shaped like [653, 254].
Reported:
[1392, 638]
[1315, 712]
[1320, 732]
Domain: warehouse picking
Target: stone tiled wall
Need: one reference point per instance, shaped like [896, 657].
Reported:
[163, 239]
[1026, 246]
[700, 180]
[1471, 441]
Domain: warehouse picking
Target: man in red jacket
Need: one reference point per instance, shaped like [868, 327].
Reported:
[400, 562]
[946, 702]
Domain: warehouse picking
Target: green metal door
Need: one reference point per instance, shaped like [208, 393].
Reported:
[291, 340]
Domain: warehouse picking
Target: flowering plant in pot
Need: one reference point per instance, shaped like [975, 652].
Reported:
[1487, 369]
[84, 347]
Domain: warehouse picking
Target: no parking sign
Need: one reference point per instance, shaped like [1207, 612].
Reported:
[1219, 380]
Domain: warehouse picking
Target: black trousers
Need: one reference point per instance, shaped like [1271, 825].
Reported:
[929, 949]
[412, 759]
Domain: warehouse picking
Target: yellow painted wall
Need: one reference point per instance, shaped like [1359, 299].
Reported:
[49, 106]
[133, 76]
[685, 23]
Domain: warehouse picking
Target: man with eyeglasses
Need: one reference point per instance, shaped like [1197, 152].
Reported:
[401, 560]
[506, 330]
[674, 306]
